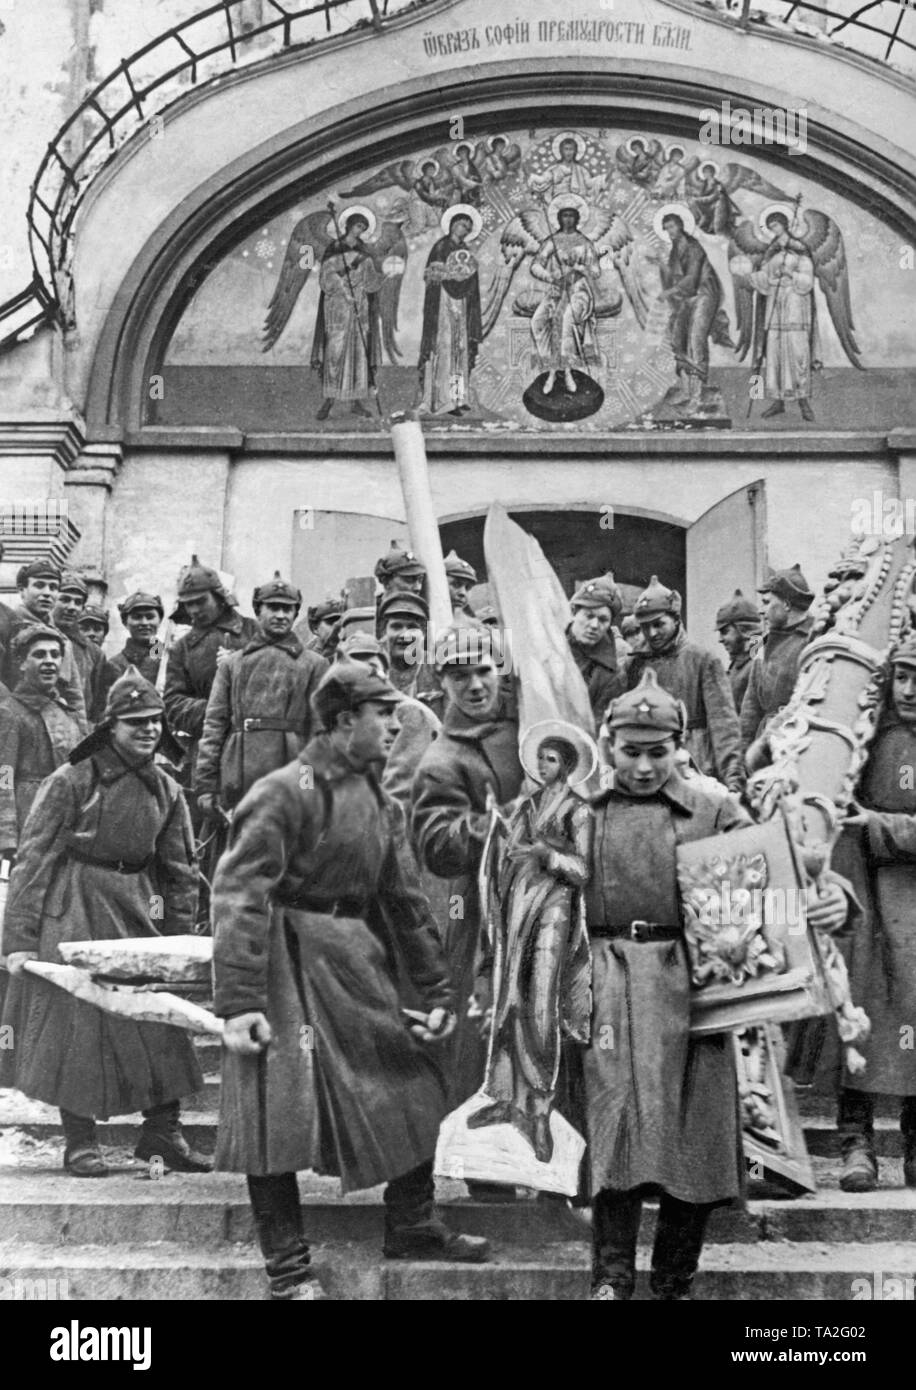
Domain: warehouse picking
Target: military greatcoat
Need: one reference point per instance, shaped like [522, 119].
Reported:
[258, 715]
[37, 732]
[661, 1106]
[106, 852]
[316, 905]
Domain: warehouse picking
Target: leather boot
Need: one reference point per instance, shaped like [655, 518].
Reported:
[414, 1229]
[676, 1252]
[855, 1121]
[278, 1223]
[615, 1232]
[161, 1137]
[82, 1155]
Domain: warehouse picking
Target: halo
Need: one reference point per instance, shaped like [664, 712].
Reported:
[491, 138]
[351, 212]
[709, 164]
[567, 200]
[787, 209]
[463, 145]
[670, 150]
[557, 141]
[628, 144]
[682, 211]
[429, 160]
[465, 210]
[586, 751]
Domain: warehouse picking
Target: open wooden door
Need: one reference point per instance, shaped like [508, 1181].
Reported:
[726, 550]
[331, 547]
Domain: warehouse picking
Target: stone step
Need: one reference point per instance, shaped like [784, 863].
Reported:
[41, 1204]
[351, 1271]
[776, 1271]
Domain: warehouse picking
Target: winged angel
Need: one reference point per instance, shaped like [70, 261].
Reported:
[359, 277]
[569, 246]
[774, 281]
[455, 173]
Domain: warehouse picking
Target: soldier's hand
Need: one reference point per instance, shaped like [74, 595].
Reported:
[247, 1034]
[856, 815]
[221, 655]
[827, 908]
[15, 962]
[440, 1024]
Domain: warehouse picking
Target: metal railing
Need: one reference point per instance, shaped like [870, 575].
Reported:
[144, 84]
[894, 37]
[130, 97]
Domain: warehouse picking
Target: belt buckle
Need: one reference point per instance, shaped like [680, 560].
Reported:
[247, 726]
[636, 929]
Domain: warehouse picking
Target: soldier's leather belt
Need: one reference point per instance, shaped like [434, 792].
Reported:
[635, 931]
[273, 726]
[120, 866]
[329, 907]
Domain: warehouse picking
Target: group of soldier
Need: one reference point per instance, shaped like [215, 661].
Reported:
[317, 792]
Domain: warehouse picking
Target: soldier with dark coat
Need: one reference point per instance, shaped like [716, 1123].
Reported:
[106, 852]
[877, 851]
[738, 623]
[258, 714]
[316, 904]
[774, 670]
[142, 614]
[596, 608]
[216, 629]
[694, 676]
[39, 586]
[661, 1105]
[91, 664]
[37, 730]
[475, 755]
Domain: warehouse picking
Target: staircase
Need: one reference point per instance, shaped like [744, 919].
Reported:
[188, 1236]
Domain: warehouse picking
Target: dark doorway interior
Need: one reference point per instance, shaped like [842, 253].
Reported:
[579, 547]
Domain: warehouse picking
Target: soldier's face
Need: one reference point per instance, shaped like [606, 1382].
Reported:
[642, 768]
[324, 628]
[659, 631]
[41, 665]
[403, 635]
[775, 611]
[732, 640]
[473, 689]
[904, 690]
[142, 623]
[405, 584]
[68, 607]
[93, 632]
[39, 597]
[589, 625]
[370, 730]
[459, 589]
[137, 736]
[275, 618]
[202, 609]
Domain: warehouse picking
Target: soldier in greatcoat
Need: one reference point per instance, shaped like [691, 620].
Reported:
[877, 851]
[661, 1106]
[106, 852]
[39, 585]
[317, 631]
[596, 609]
[259, 713]
[93, 624]
[91, 664]
[475, 755]
[785, 599]
[142, 614]
[403, 624]
[316, 905]
[216, 629]
[694, 676]
[37, 729]
[738, 624]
